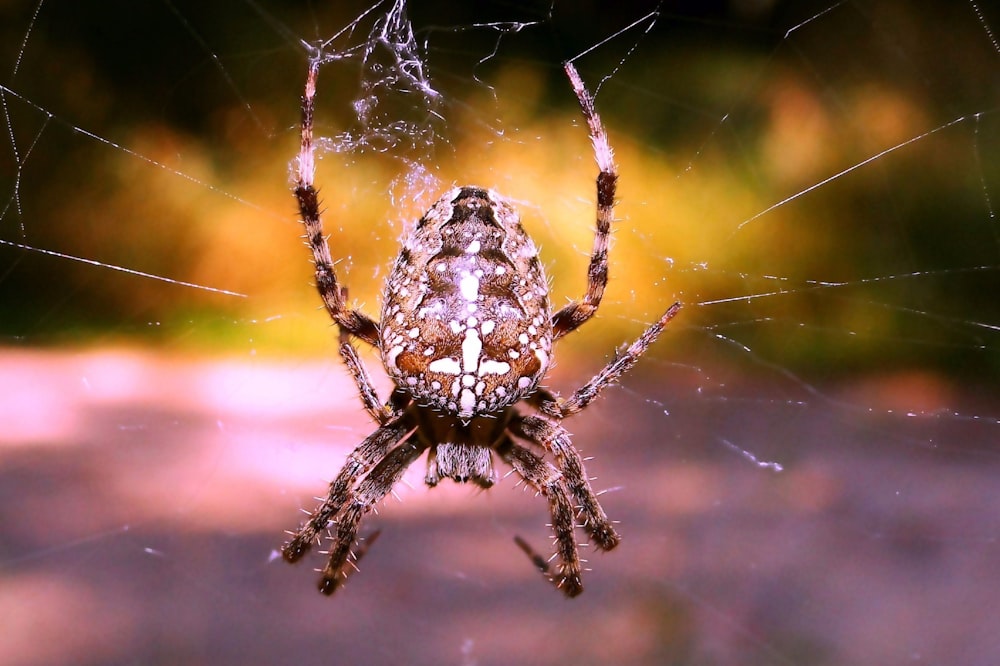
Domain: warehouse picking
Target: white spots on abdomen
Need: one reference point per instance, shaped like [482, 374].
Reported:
[446, 366]
[491, 367]
[468, 286]
[467, 403]
[478, 381]
[472, 348]
[542, 357]
[393, 355]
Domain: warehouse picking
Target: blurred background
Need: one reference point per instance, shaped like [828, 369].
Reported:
[803, 467]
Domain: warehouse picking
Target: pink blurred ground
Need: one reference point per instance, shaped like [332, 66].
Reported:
[142, 501]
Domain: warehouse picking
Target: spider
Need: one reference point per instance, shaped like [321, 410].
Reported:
[466, 336]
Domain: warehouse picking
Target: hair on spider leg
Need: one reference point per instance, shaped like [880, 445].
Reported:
[362, 546]
[329, 584]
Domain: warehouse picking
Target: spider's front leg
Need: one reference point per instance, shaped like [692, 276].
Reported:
[354, 322]
[573, 315]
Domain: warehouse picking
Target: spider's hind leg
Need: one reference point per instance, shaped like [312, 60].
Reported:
[368, 453]
[547, 480]
[369, 492]
[555, 439]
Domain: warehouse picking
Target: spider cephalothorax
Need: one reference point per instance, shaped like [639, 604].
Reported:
[466, 334]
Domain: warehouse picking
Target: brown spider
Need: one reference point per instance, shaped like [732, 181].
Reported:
[466, 333]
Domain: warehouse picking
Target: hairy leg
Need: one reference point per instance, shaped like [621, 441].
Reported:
[374, 448]
[554, 438]
[369, 492]
[381, 412]
[549, 482]
[559, 408]
[573, 315]
[354, 322]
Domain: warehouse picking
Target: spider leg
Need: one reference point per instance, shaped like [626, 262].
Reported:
[374, 448]
[354, 322]
[545, 478]
[369, 492]
[559, 408]
[554, 438]
[574, 314]
[382, 412]
[536, 558]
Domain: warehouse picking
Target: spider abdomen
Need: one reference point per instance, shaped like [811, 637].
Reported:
[466, 325]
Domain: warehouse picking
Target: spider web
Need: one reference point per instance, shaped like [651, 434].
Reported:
[803, 466]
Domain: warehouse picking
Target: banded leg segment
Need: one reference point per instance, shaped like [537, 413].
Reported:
[573, 315]
[559, 408]
[370, 492]
[554, 438]
[354, 322]
[370, 451]
[547, 480]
